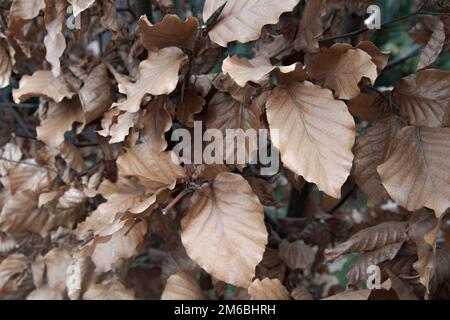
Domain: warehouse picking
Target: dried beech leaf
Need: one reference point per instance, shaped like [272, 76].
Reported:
[434, 46]
[108, 290]
[243, 20]
[225, 113]
[310, 26]
[416, 174]
[243, 70]
[5, 66]
[80, 5]
[56, 261]
[22, 11]
[358, 272]
[301, 294]
[370, 239]
[296, 255]
[169, 32]
[182, 286]
[316, 134]
[54, 41]
[223, 230]
[157, 75]
[12, 269]
[268, 289]
[42, 84]
[78, 273]
[156, 122]
[155, 171]
[96, 95]
[423, 98]
[60, 119]
[45, 293]
[192, 104]
[372, 149]
[351, 295]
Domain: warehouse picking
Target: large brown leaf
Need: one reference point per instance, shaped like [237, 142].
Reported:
[182, 286]
[170, 32]
[22, 11]
[268, 289]
[423, 98]
[157, 75]
[111, 289]
[372, 149]
[154, 170]
[370, 239]
[243, 20]
[316, 134]
[223, 230]
[416, 174]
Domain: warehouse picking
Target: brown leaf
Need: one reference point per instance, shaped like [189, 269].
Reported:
[341, 68]
[182, 286]
[372, 149]
[96, 95]
[108, 290]
[54, 41]
[268, 289]
[78, 275]
[358, 272]
[72, 155]
[310, 26]
[170, 32]
[301, 294]
[369, 107]
[423, 98]
[362, 294]
[308, 137]
[157, 75]
[60, 118]
[5, 65]
[370, 239]
[434, 46]
[57, 260]
[42, 84]
[223, 230]
[416, 175]
[155, 171]
[262, 189]
[80, 5]
[109, 18]
[155, 123]
[243, 20]
[192, 104]
[225, 113]
[296, 255]
[45, 293]
[13, 271]
[123, 244]
[22, 11]
[243, 70]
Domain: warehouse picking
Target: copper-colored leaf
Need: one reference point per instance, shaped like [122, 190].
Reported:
[182, 286]
[372, 149]
[423, 98]
[155, 123]
[416, 174]
[157, 75]
[370, 239]
[316, 134]
[311, 26]
[223, 230]
[243, 70]
[42, 84]
[108, 290]
[169, 32]
[268, 289]
[358, 272]
[296, 255]
[154, 170]
[192, 104]
[54, 41]
[96, 95]
[243, 20]
[434, 46]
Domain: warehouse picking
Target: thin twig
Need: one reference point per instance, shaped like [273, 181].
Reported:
[413, 53]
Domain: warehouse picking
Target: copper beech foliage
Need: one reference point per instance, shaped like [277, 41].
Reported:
[93, 207]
